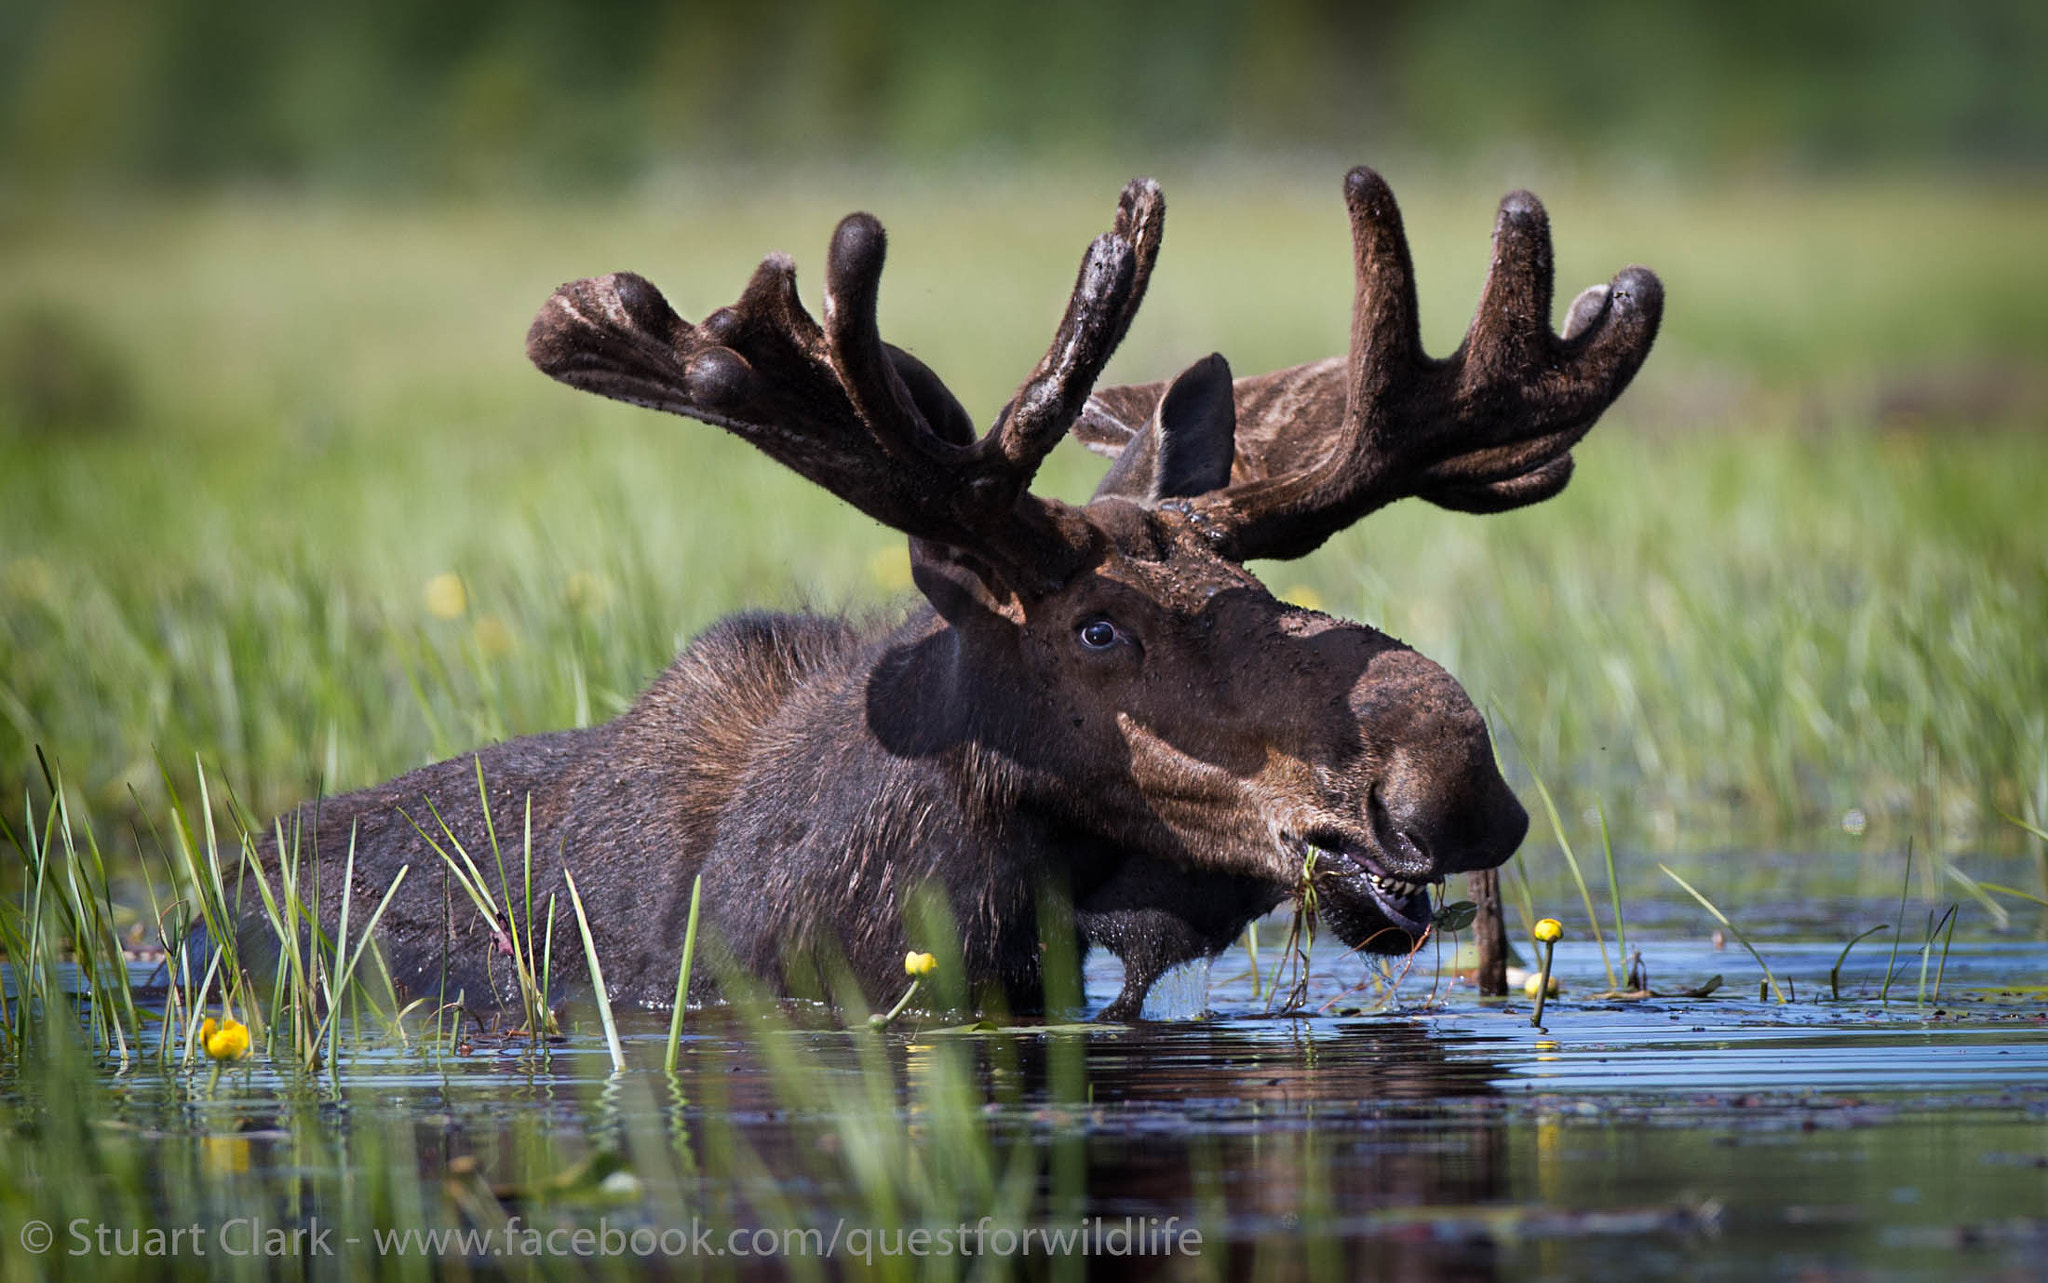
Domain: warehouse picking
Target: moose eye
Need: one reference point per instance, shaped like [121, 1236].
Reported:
[1098, 634]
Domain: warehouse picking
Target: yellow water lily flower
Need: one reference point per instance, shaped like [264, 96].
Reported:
[1542, 985]
[918, 964]
[1535, 981]
[224, 1039]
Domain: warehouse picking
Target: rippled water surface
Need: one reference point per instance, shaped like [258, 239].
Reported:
[1426, 1135]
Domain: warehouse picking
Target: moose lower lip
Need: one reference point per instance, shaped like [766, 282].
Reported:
[1410, 912]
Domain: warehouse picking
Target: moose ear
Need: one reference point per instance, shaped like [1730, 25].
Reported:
[963, 588]
[1187, 447]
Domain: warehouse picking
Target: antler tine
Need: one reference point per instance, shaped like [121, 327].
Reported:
[1141, 222]
[1606, 340]
[853, 274]
[831, 406]
[1487, 429]
[1533, 486]
[1513, 321]
[1608, 329]
[1051, 399]
[865, 420]
[1386, 330]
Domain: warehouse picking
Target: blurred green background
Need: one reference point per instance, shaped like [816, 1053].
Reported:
[278, 491]
[596, 96]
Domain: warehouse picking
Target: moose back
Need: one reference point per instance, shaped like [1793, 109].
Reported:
[1096, 711]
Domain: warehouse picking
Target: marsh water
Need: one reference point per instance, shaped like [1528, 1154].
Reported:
[1886, 1133]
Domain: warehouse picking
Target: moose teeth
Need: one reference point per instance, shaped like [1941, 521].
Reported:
[1401, 889]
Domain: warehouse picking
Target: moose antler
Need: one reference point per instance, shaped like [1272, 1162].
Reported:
[860, 417]
[1486, 429]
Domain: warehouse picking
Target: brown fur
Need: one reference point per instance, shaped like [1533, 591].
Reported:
[1100, 712]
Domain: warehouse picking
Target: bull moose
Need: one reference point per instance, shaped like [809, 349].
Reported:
[1095, 707]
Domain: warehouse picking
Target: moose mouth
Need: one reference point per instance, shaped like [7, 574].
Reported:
[1368, 909]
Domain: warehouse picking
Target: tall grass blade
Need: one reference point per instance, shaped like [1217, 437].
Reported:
[2039, 834]
[1722, 918]
[1946, 940]
[675, 1020]
[1934, 927]
[1835, 972]
[1898, 927]
[1999, 916]
[471, 879]
[547, 964]
[604, 999]
[2036, 830]
[348, 969]
[2015, 892]
[1585, 895]
[348, 881]
[1613, 883]
[96, 942]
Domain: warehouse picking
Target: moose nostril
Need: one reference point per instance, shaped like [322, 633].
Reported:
[1376, 813]
[1403, 848]
[1420, 845]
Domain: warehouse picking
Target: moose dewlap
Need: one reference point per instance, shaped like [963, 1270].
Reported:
[1098, 726]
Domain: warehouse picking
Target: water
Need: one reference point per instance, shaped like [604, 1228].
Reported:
[1426, 1135]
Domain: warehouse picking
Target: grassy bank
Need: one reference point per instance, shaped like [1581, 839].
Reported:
[1801, 573]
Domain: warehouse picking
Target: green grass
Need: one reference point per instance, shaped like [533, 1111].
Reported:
[1751, 613]
[113, 1119]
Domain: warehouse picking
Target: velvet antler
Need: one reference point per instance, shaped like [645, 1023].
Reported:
[864, 419]
[1488, 428]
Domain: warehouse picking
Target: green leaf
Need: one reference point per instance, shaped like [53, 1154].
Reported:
[1455, 916]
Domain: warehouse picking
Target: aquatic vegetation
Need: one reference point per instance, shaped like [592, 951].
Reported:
[917, 966]
[1934, 928]
[224, 1039]
[1579, 879]
[1770, 981]
[1548, 932]
[1848, 645]
[682, 999]
[513, 919]
[598, 992]
[786, 1120]
[1835, 972]
[59, 937]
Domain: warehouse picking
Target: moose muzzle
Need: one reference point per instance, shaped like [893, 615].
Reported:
[1434, 805]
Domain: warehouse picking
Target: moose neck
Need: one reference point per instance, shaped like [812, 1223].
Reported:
[916, 719]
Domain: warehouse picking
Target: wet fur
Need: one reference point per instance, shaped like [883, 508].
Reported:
[746, 761]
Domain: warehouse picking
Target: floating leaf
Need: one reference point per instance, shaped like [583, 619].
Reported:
[1455, 916]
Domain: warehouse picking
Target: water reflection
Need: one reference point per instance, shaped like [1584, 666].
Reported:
[1303, 1136]
[1454, 1142]
[1286, 1142]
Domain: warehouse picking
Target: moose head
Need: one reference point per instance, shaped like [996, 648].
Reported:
[1116, 691]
